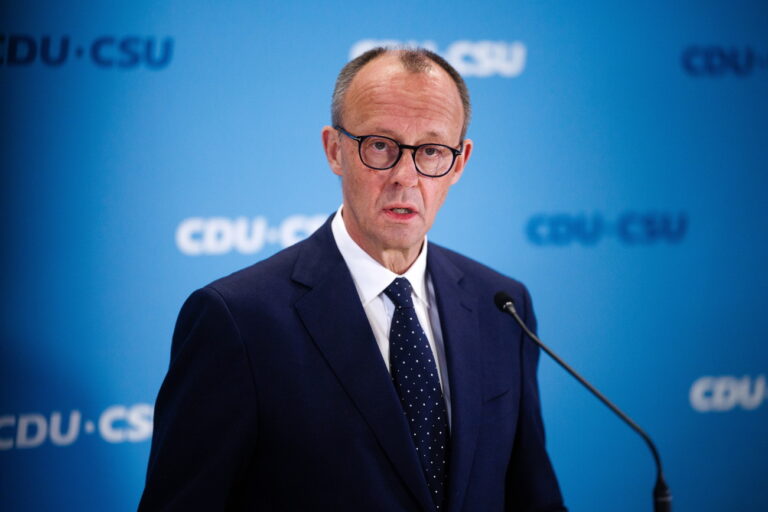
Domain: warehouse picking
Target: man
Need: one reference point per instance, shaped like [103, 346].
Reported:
[362, 369]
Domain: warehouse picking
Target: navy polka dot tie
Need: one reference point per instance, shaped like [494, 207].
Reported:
[414, 374]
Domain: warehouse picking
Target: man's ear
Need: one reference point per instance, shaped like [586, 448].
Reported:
[461, 161]
[332, 147]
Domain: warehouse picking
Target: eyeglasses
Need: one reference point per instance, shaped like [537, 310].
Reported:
[381, 153]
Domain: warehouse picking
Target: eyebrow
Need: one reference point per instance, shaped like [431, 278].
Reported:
[390, 133]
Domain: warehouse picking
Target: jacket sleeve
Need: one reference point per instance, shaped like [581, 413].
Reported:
[205, 414]
[531, 481]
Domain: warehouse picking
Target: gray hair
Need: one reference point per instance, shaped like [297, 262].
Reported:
[415, 60]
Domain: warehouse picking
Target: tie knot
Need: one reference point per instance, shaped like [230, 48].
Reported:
[399, 292]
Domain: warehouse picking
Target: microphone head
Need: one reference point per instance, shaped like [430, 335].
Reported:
[503, 300]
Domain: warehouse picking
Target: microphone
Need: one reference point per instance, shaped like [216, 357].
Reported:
[662, 498]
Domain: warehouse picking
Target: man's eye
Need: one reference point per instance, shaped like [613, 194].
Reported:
[379, 145]
[433, 151]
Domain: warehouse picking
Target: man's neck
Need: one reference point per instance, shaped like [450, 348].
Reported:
[394, 260]
[397, 261]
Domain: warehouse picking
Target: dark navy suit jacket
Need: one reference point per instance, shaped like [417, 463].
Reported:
[277, 397]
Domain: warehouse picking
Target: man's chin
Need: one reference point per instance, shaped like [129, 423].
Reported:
[404, 242]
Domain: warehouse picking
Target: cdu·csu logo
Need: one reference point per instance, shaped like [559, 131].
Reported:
[197, 236]
[470, 58]
[727, 392]
[107, 52]
[115, 424]
[715, 61]
[632, 228]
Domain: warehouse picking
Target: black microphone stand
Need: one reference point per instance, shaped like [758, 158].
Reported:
[662, 498]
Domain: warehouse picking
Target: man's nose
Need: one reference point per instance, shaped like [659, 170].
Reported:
[404, 172]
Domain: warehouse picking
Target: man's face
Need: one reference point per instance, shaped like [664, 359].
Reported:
[390, 211]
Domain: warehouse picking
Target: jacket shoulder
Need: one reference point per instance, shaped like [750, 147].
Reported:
[281, 278]
[276, 268]
[476, 272]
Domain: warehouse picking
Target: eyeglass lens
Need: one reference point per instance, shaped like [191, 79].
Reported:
[382, 153]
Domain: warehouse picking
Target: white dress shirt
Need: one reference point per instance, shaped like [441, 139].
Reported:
[371, 278]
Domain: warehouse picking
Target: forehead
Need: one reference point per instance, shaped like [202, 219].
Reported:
[386, 98]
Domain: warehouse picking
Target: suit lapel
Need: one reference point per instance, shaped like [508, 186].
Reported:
[332, 313]
[460, 327]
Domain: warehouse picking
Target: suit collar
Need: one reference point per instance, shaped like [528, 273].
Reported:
[334, 317]
[460, 326]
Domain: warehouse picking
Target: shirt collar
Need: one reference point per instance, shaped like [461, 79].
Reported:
[370, 276]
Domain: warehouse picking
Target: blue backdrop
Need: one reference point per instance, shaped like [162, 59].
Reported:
[619, 171]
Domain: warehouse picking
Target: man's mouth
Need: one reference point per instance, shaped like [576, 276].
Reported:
[401, 210]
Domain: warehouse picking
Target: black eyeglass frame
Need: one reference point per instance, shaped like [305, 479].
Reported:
[361, 138]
